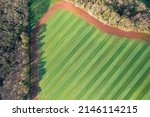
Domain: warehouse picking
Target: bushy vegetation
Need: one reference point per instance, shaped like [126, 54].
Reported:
[126, 14]
[13, 22]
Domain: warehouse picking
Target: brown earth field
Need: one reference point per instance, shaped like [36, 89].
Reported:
[85, 16]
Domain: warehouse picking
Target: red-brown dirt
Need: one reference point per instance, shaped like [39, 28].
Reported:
[84, 15]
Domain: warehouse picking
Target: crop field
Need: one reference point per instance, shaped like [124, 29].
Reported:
[78, 61]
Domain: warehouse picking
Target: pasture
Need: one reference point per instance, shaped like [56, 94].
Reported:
[78, 61]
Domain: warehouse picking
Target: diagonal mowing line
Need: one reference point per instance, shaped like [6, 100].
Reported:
[92, 68]
[94, 52]
[73, 39]
[62, 39]
[55, 21]
[146, 95]
[86, 64]
[118, 75]
[105, 76]
[72, 61]
[112, 69]
[127, 71]
[120, 67]
[143, 88]
[136, 75]
[51, 40]
[128, 74]
[139, 82]
[78, 57]
[61, 64]
[119, 59]
[105, 63]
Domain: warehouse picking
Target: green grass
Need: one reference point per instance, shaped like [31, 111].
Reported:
[82, 62]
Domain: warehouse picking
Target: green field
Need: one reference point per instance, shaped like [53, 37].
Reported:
[78, 61]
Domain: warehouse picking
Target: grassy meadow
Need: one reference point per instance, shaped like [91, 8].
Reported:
[78, 61]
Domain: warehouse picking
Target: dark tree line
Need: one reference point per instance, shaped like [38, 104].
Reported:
[13, 31]
[126, 14]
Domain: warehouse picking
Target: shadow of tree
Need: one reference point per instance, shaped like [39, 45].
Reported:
[40, 44]
[37, 8]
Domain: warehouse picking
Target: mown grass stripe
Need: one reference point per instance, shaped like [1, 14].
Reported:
[55, 25]
[127, 71]
[118, 75]
[95, 64]
[129, 81]
[77, 70]
[73, 40]
[46, 30]
[81, 55]
[113, 69]
[143, 88]
[62, 31]
[146, 96]
[140, 81]
[55, 20]
[61, 39]
[138, 72]
[105, 76]
[55, 36]
[52, 35]
[56, 58]
[75, 48]
[64, 40]
[60, 64]
[97, 77]
[56, 77]
[55, 17]
[73, 78]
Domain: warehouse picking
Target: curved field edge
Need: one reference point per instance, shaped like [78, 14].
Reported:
[84, 15]
[83, 62]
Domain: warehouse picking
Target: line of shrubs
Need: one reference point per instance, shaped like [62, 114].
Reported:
[125, 14]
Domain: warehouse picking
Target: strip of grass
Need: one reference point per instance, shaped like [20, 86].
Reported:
[82, 62]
